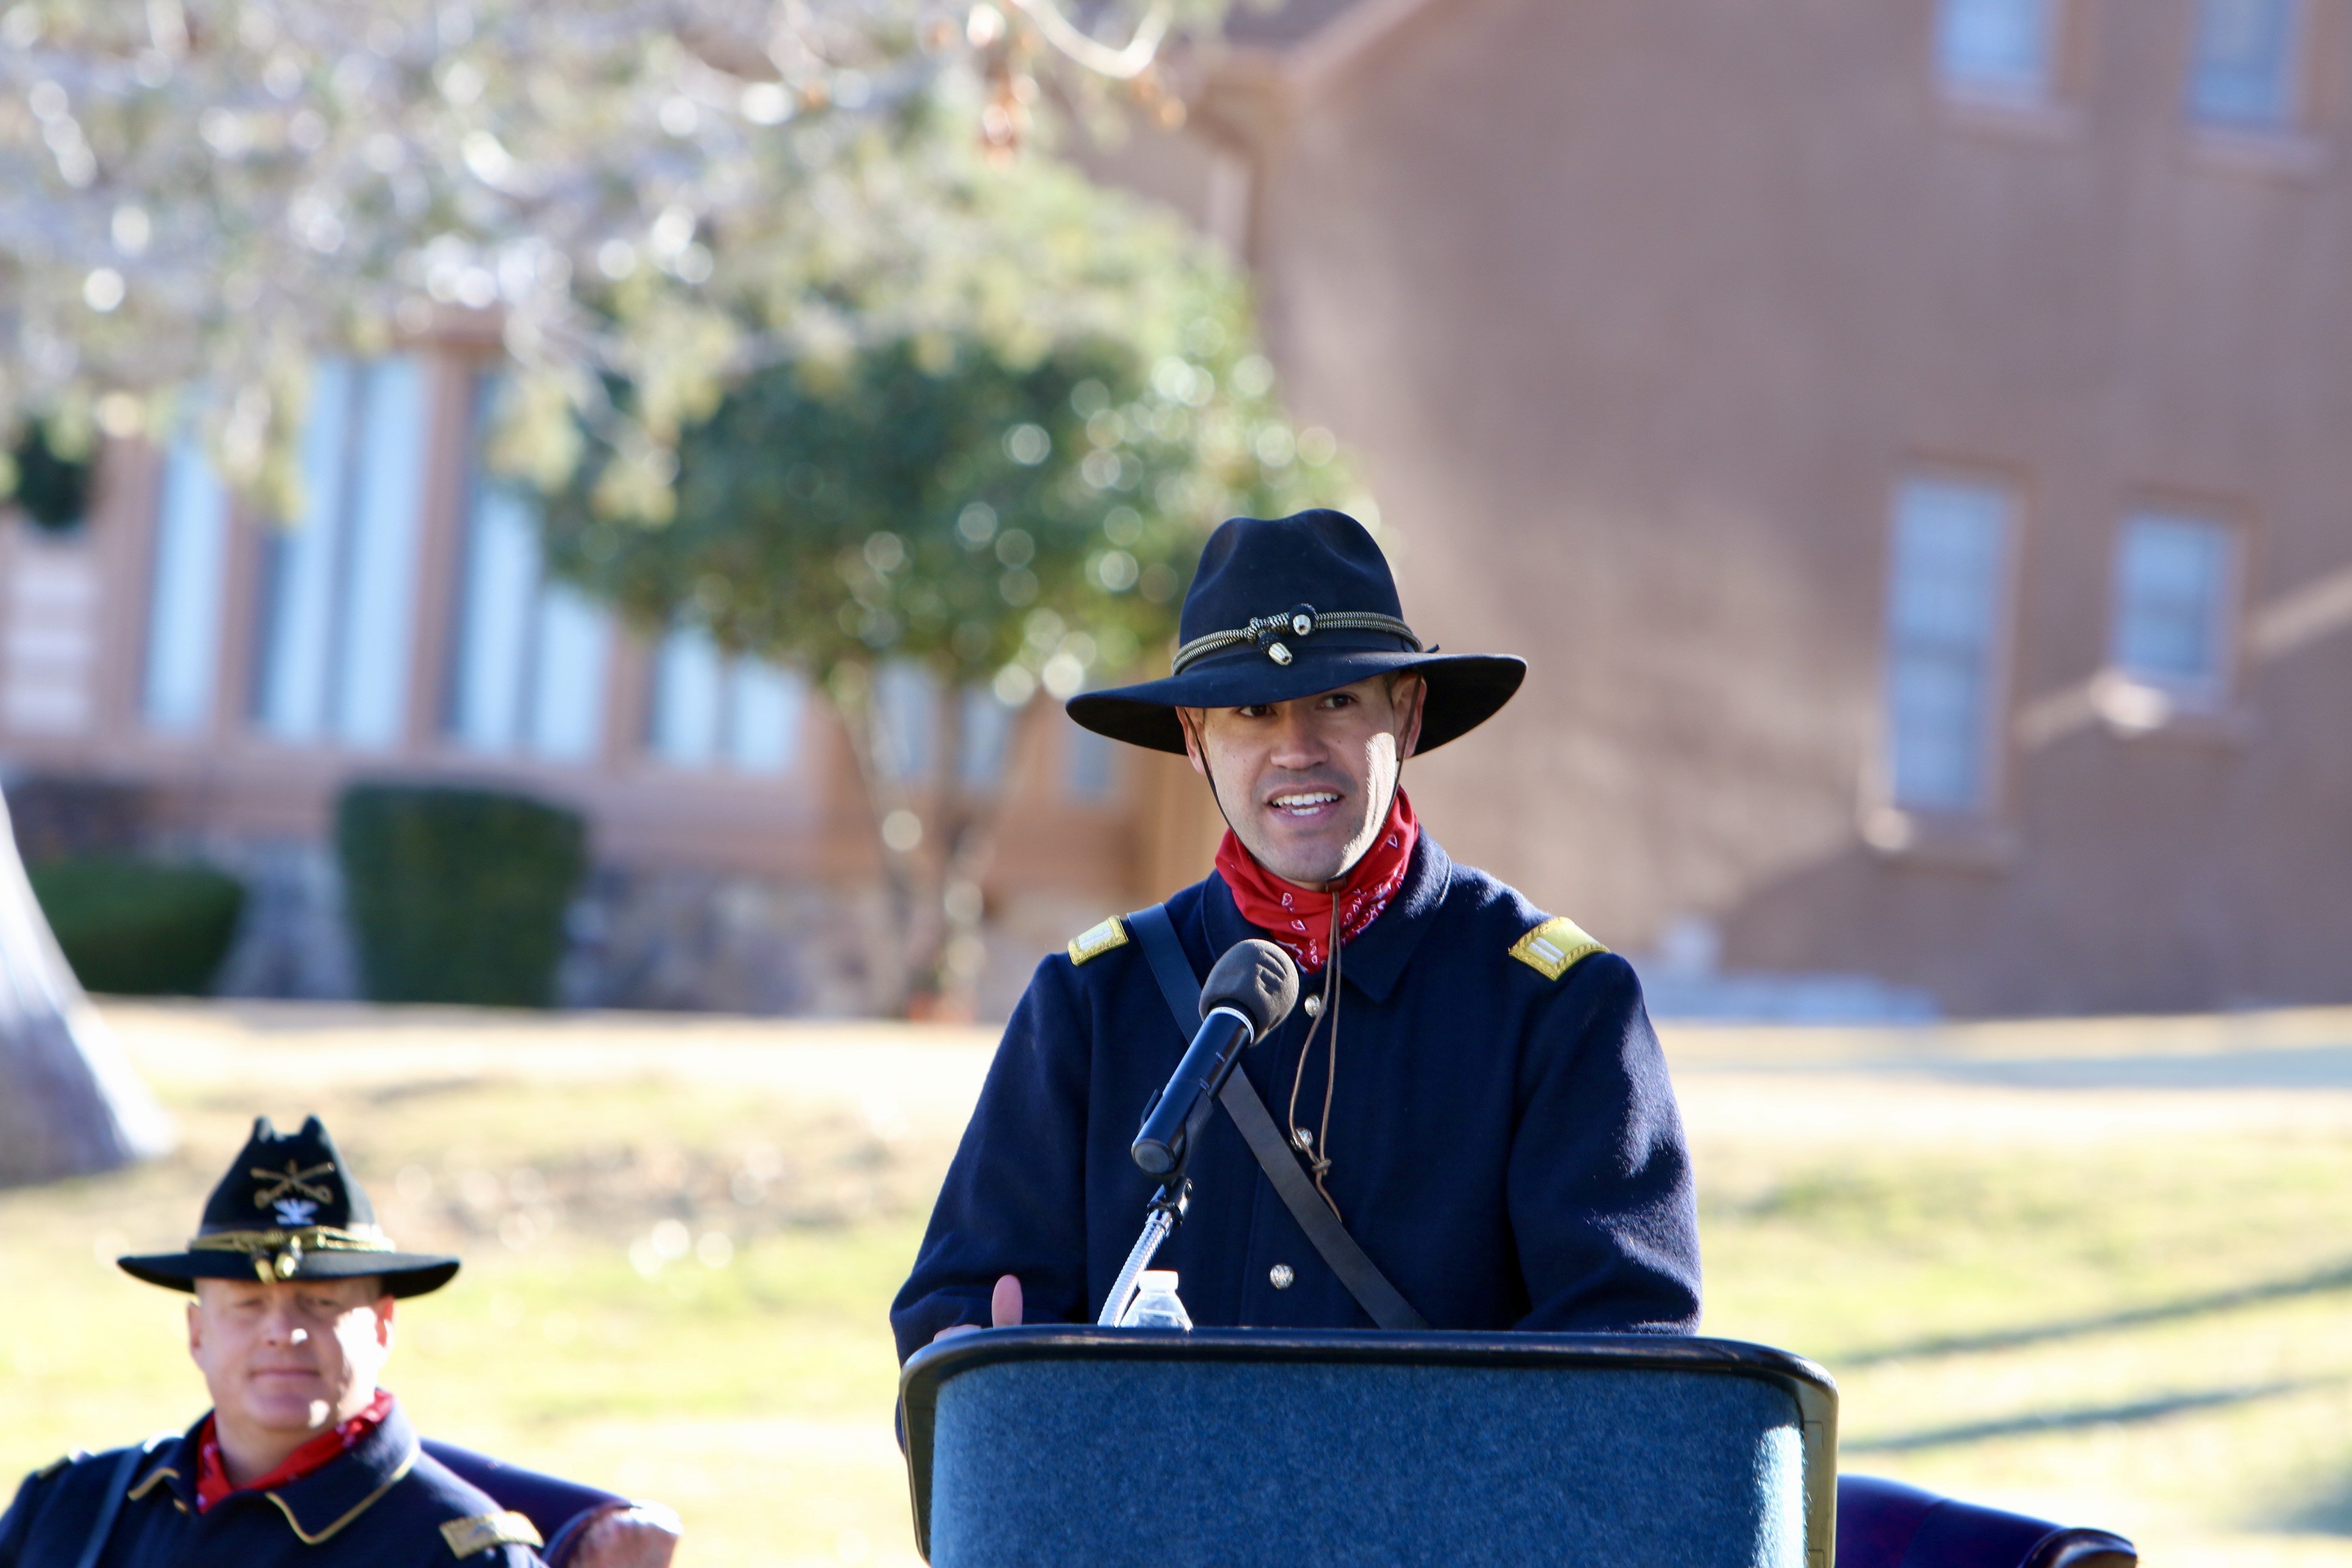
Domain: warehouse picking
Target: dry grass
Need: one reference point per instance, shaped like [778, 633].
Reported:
[2098, 1271]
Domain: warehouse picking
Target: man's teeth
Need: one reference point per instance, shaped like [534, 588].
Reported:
[1304, 802]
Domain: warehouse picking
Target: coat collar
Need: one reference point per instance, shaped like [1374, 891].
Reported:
[1376, 960]
[331, 1497]
[170, 1464]
[322, 1502]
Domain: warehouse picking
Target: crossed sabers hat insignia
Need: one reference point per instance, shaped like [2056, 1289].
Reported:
[294, 1179]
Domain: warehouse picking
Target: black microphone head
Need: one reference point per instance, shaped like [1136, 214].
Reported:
[1255, 979]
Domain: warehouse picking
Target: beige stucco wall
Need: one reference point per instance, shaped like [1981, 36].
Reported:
[1637, 310]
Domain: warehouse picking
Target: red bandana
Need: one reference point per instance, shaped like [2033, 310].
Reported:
[212, 1476]
[1301, 920]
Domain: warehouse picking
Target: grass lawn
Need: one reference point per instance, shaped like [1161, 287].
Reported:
[2099, 1271]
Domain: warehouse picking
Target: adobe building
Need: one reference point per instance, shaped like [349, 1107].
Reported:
[1911, 441]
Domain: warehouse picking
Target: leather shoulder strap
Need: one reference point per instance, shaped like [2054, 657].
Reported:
[1165, 952]
[1357, 1271]
[117, 1484]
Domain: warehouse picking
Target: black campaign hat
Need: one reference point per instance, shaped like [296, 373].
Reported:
[1288, 608]
[289, 1209]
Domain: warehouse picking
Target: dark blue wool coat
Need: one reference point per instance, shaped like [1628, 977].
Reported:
[1505, 1145]
[384, 1504]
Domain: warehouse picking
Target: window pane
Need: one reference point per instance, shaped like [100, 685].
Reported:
[2243, 72]
[767, 702]
[372, 690]
[184, 626]
[687, 694]
[567, 710]
[987, 733]
[1944, 614]
[2172, 584]
[494, 634]
[1089, 764]
[2001, 46]
[1938, 707]
[905, 699]
[297, 643]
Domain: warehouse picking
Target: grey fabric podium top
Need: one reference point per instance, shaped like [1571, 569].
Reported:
[1239, 1446]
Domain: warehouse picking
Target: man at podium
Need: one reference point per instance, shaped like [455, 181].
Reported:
[1476, 1113]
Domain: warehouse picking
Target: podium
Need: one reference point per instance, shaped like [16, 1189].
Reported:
[1239, 1446]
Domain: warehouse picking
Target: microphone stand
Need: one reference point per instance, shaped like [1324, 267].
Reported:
[1250, 990]
[1165, 1214]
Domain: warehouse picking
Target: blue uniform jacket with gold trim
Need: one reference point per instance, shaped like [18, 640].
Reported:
[384, 1504]
[1505, 1144]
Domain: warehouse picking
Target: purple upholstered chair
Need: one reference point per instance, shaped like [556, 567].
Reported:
[584, 1527]
[1886, 1524]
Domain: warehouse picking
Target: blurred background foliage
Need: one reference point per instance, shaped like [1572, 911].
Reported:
[812, 339]
[207, 193]
[50, 473]
[136, 928]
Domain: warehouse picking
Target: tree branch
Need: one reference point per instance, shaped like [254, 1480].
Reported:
[1120, 65]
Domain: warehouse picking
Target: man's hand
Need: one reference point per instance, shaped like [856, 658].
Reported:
[642, 1536]
[1003, 1306]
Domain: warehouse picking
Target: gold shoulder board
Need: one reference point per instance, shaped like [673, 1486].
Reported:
[1095, 941]
[1555, 947]
[484, 1530]
[60, 1463]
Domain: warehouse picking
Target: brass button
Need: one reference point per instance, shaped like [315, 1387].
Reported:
[1281, 1276]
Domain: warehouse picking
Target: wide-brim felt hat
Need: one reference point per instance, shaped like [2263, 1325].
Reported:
[290, 1209]
[1288, 608]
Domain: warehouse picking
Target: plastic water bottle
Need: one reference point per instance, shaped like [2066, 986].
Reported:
[1155, 1305]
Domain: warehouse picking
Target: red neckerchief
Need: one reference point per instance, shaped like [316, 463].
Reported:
[1300, 920]
[212, 1476]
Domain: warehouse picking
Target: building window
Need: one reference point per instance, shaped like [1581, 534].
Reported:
[1945, 614]
[532, 655]
[987, 740]
[2174, 577]
[711, 710]
[339, 595]
[2242, 66]
[1998, 48]
[906, 704]
[184, 614]
[1088, 767]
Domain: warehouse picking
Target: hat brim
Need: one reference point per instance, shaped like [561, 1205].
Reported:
[1464, 691]
[404, 1273]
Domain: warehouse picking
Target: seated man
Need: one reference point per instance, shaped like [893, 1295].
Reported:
[302, 1458]
[1496, 1146]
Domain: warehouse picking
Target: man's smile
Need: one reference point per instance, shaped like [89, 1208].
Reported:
[1305, 803]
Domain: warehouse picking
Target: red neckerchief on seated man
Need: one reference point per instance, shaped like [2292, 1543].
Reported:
[212, 1476]
[1303, 920]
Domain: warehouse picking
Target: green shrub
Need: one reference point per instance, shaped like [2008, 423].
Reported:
[138, 929]
[51, 486]
[457, 895]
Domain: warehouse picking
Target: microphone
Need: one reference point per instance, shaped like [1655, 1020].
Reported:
[1251, 991]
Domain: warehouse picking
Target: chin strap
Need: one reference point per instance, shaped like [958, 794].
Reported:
[1317, 1145]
